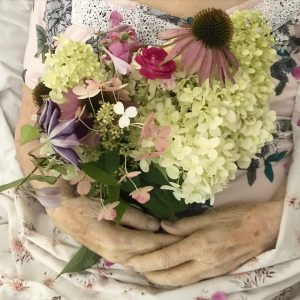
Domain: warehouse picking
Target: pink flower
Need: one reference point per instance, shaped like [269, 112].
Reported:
[107, 263]
[121, 40]
[219, 296]
[198, 51]
[115, 18]
[69, 108]
[84, 183]
[298, 123]
[121, 66]
[159, 134]
[129, 175]
[296, 73]
[142, 195]
[88, 90]
[152, 63]
[108, 212]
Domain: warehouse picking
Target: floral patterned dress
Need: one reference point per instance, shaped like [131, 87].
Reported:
[33, 251]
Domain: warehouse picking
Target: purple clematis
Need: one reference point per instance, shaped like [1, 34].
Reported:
[60, 135]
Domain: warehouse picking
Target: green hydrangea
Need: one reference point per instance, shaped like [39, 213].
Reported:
[214, 129]
[71, 63]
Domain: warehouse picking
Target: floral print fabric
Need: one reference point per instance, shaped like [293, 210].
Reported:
[34, 251]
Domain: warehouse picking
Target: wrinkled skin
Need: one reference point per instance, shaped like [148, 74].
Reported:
[212, 244]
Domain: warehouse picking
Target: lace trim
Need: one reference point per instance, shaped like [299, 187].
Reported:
[147, 22]
[278, 12]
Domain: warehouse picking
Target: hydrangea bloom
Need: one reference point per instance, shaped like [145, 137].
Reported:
[215, 129]
[71, 64]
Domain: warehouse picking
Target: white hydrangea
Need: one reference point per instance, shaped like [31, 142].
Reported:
[215, 130]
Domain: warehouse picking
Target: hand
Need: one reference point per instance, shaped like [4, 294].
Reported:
[116, 243]
[213, 244]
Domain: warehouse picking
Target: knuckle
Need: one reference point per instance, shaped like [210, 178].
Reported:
[165, 260]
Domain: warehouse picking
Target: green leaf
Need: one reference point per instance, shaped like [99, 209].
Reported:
[10, 185]
[113, 193]
[111, 161]
[48, 179]
[251, 175]
[91, 169]
[82, 260]
[276, 157]
[29, 133]
[121, 208]
[269, 171]
[42, 42]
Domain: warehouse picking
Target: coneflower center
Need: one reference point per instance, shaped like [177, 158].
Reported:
[213, 27]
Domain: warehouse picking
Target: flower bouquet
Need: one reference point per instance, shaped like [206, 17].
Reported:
[157, 128]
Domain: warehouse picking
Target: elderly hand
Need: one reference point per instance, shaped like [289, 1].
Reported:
[78, 217]
[213, 244]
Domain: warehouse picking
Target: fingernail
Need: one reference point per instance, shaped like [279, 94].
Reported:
[153, 224]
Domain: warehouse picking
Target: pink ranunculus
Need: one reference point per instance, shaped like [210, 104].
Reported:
[152, 64]
[142, 195]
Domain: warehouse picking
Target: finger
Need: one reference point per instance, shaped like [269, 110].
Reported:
[186, 226]
[195, 271]
[136, 219]
[142, 242]
[165, 258]
[134, 243]
[183, 274]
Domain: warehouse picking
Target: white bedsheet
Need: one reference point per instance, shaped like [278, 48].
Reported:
[14, 23]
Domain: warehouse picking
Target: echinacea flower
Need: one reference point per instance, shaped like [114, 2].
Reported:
[61, 136]
[126, 115]
[204, 46]
[153, 64]
[142, 195]
[108, 212]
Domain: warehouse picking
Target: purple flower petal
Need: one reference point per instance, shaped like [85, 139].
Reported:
[64, 128]
[49, 197]
[68, 155]
[68, 141]
[53, 120]
[46, 114]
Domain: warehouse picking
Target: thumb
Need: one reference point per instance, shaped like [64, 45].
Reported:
[136, 219]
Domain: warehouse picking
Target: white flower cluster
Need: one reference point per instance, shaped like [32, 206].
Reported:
[214, 129]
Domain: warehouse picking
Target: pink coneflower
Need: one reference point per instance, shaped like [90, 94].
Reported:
[204, 46]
